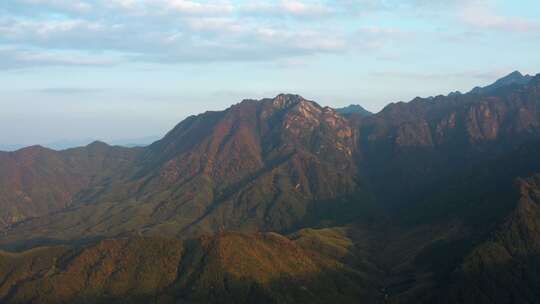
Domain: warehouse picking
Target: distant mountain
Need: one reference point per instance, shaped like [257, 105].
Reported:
[455, 93]
[354, 109]
[68, 144]
[514, 78]
[75, 143]
[11, 147]
[281, 200]
[56, 145]
[135, 142]
[36, 181]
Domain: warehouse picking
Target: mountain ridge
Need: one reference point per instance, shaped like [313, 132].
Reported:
[514, 78]
[221, 154]
[282, 200]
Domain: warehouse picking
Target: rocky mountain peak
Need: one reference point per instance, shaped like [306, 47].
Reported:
[514, 78]
[290, 105]
[516, 74]
[285, 101]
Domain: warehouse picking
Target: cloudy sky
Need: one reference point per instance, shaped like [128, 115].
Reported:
[125, 69]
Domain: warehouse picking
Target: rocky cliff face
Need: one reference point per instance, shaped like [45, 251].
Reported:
[415, 145]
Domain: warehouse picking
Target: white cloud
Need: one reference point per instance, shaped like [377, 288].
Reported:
[288, 8]
[167, 31]
[209, 31]
[178, 7]
[12, 28]
[197, 8]
[480, 15]
[13, 57]
[64, 5]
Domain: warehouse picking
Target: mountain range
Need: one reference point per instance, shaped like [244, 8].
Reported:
[74, 143]
[282, 200]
